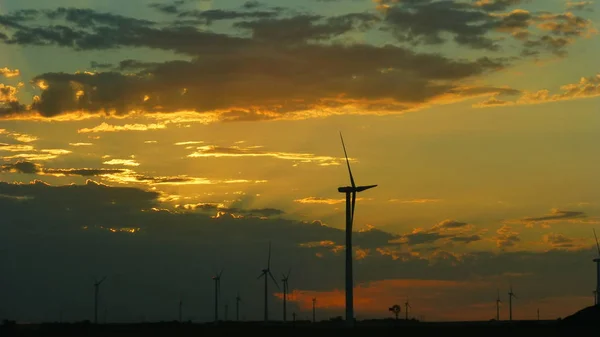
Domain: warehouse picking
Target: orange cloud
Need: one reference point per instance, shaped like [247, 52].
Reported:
[105, 127]
[587, 87]
[6, 72]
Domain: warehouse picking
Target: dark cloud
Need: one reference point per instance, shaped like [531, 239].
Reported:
[288, 63]
[304, 28]
[476, 24]
[426, 21]
[22, 167]
[557, 215]
[497, 5]
[34, 168]
[62, 237]
[447, 230]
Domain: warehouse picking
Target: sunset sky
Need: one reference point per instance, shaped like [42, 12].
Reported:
[156, 143]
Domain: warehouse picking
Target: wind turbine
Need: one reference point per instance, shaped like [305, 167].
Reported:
[286, 288]
[498, 306]
[597, 260]
[266, 273]
[314, 301]
[217, 279]
[96, 292]
[180, 313]
[350, 192]
[595, 297]
[406, 306]
[238, 299]
[510, 296]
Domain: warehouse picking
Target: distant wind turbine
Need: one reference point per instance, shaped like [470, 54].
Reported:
[498, 306]
[217, 279]
[180, 311]
[266, 273]
[595, 297]
[406, 306]
[350, 192]
[510, 297]
[96, 293]
[597, 260]
[238, 299]
[286, 289]
[314, 301]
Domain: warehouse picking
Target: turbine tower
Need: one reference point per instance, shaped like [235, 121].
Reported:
[510, 297]
[266, 273]
[286, 288]
[406, 306]
[314, 301]
[597, 260]
[96, 292]
[498, 306]
[180, 313]
[238, 299]
[350, 192]
[217, 279]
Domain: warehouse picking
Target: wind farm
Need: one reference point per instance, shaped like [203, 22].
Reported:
[407, 324]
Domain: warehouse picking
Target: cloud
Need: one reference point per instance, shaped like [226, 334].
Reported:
[556, 214]
[35, 168]
[319, 200]
[447, 231]
[255, 151]
[506, 237]
[276, 81]
[560, 241]
[9, 72]
[479, 24]
[81, 144]
[587, 87]
[415, 201]
[124, 162]
[105, 127]
[579, 5]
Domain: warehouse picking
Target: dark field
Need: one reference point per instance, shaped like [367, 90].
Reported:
[365, 328]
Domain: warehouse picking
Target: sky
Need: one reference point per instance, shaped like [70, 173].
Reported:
[156, 143]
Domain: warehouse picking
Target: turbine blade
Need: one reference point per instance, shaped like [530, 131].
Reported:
[353, 204]
[288, 274]
[347, 161]
[273, 278]
[597, 245]
[261, 275]
[102, 280]
[221, 272]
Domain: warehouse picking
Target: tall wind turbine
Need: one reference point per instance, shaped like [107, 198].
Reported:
[96, 292]
[286, 288]
[238, 299]
[498, 306]
[406, 306]
[266, 273]
[314, 300]
[217, 279]
[180, 312]
[597, 260]
[510, 297]
[350, 192]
